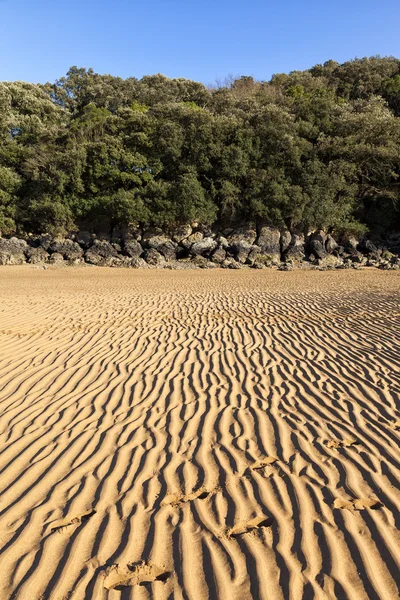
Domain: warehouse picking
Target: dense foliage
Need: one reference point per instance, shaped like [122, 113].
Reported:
[313, 149]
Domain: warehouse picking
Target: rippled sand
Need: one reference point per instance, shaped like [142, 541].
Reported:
[199, 435]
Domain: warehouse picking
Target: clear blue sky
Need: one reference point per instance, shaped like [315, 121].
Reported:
[201, 40]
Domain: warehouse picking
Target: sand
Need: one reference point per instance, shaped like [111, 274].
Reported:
[199, 435]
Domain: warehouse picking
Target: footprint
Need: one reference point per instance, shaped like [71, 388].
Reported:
[175, 499]
[341, 443]
[358, 504]
[118, 577]
[264, 462]
[82, 518]
[395, 425]
[247, 526]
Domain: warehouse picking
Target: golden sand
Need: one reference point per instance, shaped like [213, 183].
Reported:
[199, 435]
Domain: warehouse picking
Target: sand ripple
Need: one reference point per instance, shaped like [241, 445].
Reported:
[199, 435]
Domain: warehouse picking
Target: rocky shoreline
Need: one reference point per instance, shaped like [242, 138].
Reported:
[192, 247]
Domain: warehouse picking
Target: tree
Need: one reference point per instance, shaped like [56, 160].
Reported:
[314, 148]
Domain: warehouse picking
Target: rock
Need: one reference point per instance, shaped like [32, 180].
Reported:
[204, 246]
[243, 234]
[84, 238]
[368, 246]
[13, 246]
[56, 258]
[387, 255]
[349, 243]
[132, 248]
[241, 242]
[316, 244]
[69, 249]
[94, 259]
[285, 267]
[193, 238]
[151, 232]
[330, 244]
[12, 251]
[330, 261]
[130, 232]
[162, 244]
[202, 263]
[269, 240]
[286, 238]
[37, 255]
[138, 263]
[153, 257]
[219, 255]
[253, 255]
[266, 260]
[180, 265]
[241, 251]
[180, 233]
[100, 252]
[11, 259]
[227, 262]
[223, 242]
[295, 250]
[356, 256]
[114, 261]
[235, 265]
[231, 263]
[43, 240]
[347, 264]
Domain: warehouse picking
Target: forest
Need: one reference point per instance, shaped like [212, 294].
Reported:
[314, 149]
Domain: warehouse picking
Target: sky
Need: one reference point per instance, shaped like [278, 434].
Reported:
[202, 40]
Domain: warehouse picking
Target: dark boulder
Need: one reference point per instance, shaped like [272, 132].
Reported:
[193, 238]
[316, 244]
[285, 240]
[128, 232]
[44, 240]
[269, 242]
[13, 245]
[133, 248]
[69, 249]
[330, 261]
[219, 255]
[151, 232]
[12, 251]
[368, 247]
[201, 262]
[138, 263]
[153, 257]
[296, 249]
[203, 247]
[56, 258]
[84, 238]
[37, 255]
[163, 244]
[241, 242]
[331, 244]
[180, 232]
[100, 252]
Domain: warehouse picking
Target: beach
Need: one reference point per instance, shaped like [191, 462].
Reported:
[196, 435]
